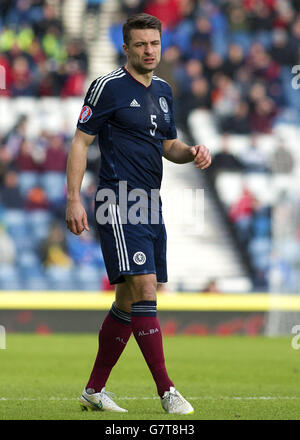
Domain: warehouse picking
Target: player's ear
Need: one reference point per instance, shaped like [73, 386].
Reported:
[125, 49]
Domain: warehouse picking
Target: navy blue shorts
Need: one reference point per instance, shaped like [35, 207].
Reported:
[132, 249]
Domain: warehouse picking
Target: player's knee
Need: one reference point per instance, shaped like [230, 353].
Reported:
[143, 289]
[148, 293]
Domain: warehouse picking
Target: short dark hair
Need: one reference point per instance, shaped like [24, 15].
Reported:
[140, 21]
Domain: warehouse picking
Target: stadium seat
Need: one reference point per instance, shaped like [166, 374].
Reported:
[38, 222]
[89, 277]
[229, 187]
[259, 250]
[52, 118]
[24, 105]
[71, 111]
[27, 181]
[260, 185]
[9, 277]
[54, 185]
[15, 221]
[60, 278]
[8, 118]
[238, 144]
[38, 283]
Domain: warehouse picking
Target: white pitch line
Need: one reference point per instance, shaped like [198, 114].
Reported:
[53, 398]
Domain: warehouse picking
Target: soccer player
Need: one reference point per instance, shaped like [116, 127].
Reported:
[131, 111]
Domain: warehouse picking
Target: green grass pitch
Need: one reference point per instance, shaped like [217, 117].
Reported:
[225, 378]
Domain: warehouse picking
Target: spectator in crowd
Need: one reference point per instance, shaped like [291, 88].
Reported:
[263, 116]
[37, 59]
[187, 72]
[281, 49]
[257, 92]
[53, 251]
[213, 66]
[50, 21]
[239, 121]
[76, 52]
[25, 160]
[56, 155]
[168, 69]
[74, 84]
[211, 287]
[15, 137]
[5, 162]
[84, 249]
[201, 39]
[240, 214]
[36, 199]
[234, 60]
[295, 37]
[253, 159]
[132, 7]
[197, 97]
[28, 165]
[10, 194]
[225, 160]
[167, 11]
[224, 96]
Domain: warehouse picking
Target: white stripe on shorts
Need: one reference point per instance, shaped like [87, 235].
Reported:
[115, 235]
[122, 233]
[119, 238]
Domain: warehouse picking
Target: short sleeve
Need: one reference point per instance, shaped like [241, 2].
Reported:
[97, 108]
[172, 131]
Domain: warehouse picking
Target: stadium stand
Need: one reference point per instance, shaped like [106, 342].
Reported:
[230, 65]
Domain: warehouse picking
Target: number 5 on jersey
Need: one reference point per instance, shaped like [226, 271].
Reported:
[152, 130]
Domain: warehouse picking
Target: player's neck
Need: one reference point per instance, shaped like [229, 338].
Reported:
[145, 79]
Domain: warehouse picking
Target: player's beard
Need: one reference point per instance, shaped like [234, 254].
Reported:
[143, 70]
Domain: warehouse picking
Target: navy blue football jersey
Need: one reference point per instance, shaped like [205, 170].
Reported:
[131, 120]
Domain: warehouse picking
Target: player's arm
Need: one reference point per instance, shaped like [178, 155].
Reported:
[76, 218]
[178, 152]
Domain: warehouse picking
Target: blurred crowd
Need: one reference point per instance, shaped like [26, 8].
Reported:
[38, 59]
[231, 58]
[40, 253]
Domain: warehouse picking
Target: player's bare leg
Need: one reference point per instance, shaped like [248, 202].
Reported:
[124, 298]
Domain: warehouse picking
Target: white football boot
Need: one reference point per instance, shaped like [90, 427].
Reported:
[173, 403]
[101, 401]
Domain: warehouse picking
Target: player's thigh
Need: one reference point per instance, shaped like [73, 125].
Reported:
[128, 249]
[160, 254]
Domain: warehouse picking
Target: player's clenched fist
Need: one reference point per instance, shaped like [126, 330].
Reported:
[202, 157]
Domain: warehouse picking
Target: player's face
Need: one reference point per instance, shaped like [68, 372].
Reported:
[144, 49]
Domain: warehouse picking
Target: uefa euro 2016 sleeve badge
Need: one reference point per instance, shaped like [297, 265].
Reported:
[85, 114]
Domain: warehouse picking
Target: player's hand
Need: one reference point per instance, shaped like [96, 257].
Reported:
[202, 157]
[76, 218]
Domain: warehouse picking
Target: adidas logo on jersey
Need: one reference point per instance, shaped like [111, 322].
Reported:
[134, 103]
